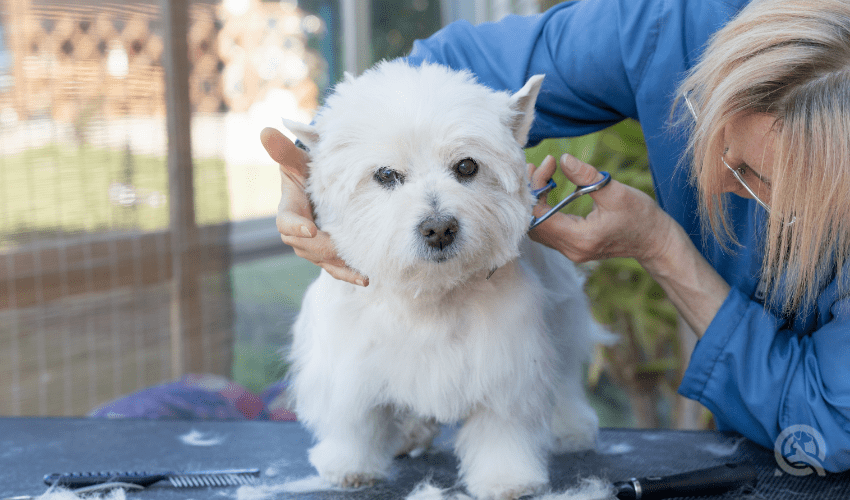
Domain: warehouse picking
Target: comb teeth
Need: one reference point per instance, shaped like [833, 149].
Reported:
[199, 481]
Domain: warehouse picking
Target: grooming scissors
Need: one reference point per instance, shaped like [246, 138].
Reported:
[580, 190]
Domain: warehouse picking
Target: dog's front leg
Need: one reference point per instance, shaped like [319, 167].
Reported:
[502, 456]
[355, 449]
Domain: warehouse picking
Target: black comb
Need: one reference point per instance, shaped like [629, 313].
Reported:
[178, 479]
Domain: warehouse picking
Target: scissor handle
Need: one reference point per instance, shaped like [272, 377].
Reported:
[580, 190]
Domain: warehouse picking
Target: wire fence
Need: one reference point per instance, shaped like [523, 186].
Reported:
[89, 305]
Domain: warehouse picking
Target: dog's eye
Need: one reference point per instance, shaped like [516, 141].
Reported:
[388, 177]
[466, 169]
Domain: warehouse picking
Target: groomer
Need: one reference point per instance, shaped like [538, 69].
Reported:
[745, 107]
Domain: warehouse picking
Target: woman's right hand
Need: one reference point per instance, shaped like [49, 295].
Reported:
[624, 222]
[295, 214]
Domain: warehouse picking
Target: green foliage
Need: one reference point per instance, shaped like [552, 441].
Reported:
[623, 295]
[396, 24]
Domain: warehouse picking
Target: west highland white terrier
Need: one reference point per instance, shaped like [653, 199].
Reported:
[419, 176]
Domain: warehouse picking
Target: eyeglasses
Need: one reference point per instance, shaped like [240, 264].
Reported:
[746, 186]
[723, 159]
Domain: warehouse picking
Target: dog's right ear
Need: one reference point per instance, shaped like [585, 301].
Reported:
[522, 103]
[305, 133]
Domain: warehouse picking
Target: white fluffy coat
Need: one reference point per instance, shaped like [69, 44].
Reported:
[430, 340]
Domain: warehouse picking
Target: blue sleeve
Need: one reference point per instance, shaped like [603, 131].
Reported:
[759, 377]
[593, 53]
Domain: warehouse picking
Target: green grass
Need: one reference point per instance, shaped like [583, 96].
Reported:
[65, 189]
[256, 367]
[280, 280]
[267, 294]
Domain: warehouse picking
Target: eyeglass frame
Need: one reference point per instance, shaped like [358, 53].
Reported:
[723, 159]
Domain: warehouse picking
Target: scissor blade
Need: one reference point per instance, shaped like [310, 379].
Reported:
[579, 191]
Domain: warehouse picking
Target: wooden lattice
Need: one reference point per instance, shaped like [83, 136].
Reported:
[265, 48]
[73, 60]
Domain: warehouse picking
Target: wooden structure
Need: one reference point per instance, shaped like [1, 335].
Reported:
[264, 48]
[75, 59]
[79, 58]
[88, 317]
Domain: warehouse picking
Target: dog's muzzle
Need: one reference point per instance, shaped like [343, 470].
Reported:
[439, 233]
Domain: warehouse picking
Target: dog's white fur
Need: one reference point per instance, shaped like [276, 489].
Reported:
[430, 340]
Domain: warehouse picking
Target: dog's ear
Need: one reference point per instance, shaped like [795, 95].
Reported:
[306, 133]
[522, 104]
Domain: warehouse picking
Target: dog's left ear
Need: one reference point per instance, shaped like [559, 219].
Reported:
[306, 133]
[522, 103]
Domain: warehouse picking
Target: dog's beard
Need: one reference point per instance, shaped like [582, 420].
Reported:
[432, 272]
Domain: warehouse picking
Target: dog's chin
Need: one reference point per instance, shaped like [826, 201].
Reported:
[439, 256]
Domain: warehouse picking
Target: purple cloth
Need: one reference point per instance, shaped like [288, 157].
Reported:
[200, 397]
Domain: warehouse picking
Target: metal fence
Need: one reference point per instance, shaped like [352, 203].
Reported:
[115, 219]
[129, 165]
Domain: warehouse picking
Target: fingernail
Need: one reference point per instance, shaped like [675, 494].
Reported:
[360, 282]
[306, 232]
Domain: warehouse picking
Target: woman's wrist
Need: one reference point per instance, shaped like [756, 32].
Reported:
[692, 285]
[662, 246]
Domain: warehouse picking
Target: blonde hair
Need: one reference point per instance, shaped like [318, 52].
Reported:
[790, 59]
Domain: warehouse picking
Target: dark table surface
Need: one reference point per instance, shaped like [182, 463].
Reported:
[33, 447]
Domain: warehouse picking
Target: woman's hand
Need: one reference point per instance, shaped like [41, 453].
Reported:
[624, 222]
[295, 214]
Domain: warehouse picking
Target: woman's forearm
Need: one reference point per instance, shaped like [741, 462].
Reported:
[694, 287]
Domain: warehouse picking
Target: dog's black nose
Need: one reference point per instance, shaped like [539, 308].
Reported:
[439, 232]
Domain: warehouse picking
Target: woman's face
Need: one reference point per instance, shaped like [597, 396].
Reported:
[749, 141]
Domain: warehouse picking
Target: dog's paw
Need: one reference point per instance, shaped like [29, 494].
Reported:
[507, 478]
[347, 465]
[505, 491]
[575, 430]
[356, 480]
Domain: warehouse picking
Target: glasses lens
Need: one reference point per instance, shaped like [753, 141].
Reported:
[746, 186]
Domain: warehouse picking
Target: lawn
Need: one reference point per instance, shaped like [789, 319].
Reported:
[60, 189]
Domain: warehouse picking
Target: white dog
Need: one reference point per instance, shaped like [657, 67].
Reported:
[418, 175]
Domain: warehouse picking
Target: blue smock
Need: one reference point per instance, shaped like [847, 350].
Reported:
[607, 60]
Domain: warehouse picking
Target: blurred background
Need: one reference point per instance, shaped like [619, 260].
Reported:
[137, 235]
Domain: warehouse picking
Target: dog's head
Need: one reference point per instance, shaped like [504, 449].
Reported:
[418, 173]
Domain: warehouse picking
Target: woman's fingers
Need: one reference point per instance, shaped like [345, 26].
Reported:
[295, 214]
[291, 224]
[541, 175]
[320, 250]
[292, 159]
[578, 172]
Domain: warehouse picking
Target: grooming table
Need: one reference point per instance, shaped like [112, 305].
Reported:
[32, 447]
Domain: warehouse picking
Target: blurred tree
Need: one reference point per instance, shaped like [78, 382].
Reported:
[397, 23]
[546, 4]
